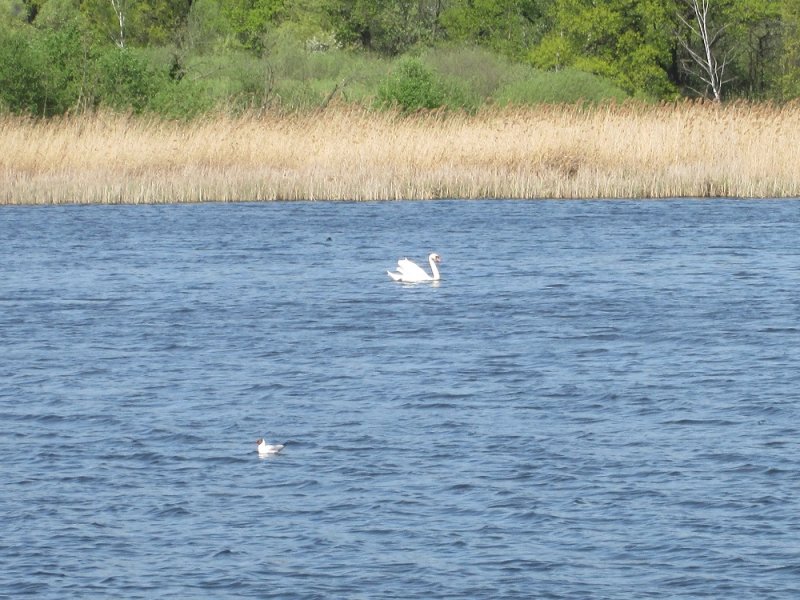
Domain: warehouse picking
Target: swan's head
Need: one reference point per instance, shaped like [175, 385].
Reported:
[435, 257]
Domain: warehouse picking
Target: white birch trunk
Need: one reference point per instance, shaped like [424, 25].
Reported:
[709, 68]
[119, 10]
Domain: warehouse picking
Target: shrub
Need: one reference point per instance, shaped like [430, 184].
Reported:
[412, 85]
[21, 87]
[125, 81]
[181, 100]
[478, 70]
[358, 75]
[62, 68]
[565, 86]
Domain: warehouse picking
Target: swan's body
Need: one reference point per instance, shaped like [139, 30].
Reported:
[265, 449]
[410, 272]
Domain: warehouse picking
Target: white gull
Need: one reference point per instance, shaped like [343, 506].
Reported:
[265, 449]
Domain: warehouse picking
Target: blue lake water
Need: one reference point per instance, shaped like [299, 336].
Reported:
[600, 399]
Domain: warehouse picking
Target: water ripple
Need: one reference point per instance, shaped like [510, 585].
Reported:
[598, 401]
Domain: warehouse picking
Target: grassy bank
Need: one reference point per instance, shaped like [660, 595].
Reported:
[610, 151]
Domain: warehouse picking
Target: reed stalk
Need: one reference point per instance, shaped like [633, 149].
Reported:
[613, 151]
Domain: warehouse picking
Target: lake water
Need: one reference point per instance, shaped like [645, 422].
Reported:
[600, 399]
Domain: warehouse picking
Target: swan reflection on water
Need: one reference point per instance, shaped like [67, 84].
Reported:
[410, 272]
[409, 284]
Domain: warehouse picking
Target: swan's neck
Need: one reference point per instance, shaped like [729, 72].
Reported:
[434, 270]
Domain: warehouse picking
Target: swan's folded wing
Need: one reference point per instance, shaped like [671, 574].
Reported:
[409, 269]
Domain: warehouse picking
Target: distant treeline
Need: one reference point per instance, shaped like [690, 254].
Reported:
[183, 58]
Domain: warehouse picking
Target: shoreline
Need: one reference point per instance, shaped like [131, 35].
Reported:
[683, 150]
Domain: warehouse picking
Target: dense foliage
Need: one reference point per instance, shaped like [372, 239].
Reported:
[181, 58]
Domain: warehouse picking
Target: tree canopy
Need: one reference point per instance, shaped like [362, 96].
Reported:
[59, 54]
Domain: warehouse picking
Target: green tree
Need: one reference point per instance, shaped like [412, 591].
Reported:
[629, 41]
[387, 26]
[136, 22]
[742, 45]
[510, 27]
[21, 86]
[787, 82]
[124, 80]
[64, 42]
[65, 62]
[757, 32]
[207, 25]
[18, 10]
[251, 19]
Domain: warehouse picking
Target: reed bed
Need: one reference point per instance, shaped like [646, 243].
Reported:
[614, 151]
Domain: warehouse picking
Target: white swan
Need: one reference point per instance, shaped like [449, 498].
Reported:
[410, 272]
[265, 449]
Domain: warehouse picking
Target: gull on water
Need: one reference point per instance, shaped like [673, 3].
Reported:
[265, 449]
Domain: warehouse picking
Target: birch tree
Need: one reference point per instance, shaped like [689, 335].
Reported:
[120, 7]
[708, 63]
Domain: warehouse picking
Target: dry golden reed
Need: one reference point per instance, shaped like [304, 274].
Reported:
[615, 151]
